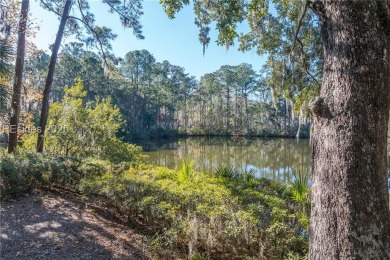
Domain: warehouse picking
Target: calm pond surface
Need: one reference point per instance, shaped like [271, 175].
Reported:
[271, 158]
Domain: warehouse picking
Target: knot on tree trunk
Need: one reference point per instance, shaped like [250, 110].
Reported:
[315, 105]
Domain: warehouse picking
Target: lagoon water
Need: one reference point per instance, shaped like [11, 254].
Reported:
[270, 158]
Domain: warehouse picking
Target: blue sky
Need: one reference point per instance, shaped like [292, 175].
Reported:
[173, 40]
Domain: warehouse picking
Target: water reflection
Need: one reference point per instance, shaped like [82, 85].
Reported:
[271, 158]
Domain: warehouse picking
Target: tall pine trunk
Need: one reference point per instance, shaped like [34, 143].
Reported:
[350, 206]
[18, 79]
[247, 122]
[227, 108]
[50, 76]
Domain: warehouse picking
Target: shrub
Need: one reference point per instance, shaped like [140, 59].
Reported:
[81, 130]
[210, 215]
[117, 151]
[22, 172]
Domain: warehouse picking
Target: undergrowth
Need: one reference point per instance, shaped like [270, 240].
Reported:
[215, 215]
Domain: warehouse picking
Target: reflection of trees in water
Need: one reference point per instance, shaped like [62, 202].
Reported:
[271, 158]
[159, 144]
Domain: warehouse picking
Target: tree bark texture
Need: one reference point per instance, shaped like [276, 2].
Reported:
[50, 76]
[18, 79]
[350, 203]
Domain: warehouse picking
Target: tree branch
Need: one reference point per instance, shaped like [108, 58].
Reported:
[113, 8]
[49, 8]
[296, 39]
[299, 25]
[304, 59]
[94, 33]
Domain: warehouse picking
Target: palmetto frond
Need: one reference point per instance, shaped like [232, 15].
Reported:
[6, 53]
[4, 97]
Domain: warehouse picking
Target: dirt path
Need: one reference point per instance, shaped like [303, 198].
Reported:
[59, 226]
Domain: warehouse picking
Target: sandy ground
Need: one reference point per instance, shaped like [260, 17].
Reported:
[59, 225]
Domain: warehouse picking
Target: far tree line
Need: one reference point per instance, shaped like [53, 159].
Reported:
[161, 99]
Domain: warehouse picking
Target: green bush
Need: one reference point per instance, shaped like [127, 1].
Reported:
[210, 215]
[22, 172]
[76, 129]
[117, 151]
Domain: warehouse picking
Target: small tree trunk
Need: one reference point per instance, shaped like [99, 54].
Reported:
[235, 118]
[185, 114]
[16, 93]
[311, 132]
[228, 109]
[50, 76]
[286, 114]
[299, 128]
[350, 206]
[247, 123]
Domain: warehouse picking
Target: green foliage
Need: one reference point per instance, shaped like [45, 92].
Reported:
[22, 172]
[208, 215]
[82, 130]
[117, 151]
[249, 175]
[159, 99]
[185, 172]
[298, 186]
[6, 52]
[81, 22]
[293, 70]
[149, 93]
[299, 190]
[227, 171]
[171, 7]
[4, 97]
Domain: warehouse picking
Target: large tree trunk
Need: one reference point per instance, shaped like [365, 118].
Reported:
[350, 207]
[15, 102]
[50, 76]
